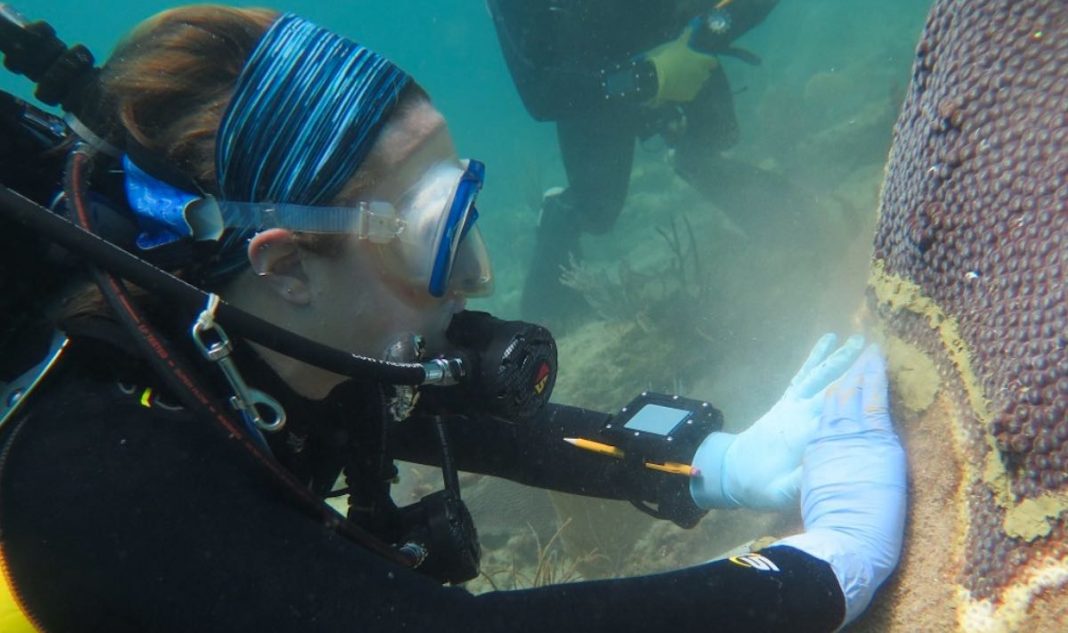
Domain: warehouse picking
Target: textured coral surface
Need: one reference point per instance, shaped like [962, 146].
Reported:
[971, 267]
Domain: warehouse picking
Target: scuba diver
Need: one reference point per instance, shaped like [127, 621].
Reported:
[263, 238]
[609, 72]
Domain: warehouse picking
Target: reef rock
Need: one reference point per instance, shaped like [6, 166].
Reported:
[969, 284]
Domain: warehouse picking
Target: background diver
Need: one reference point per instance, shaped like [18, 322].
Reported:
[133, 497]
[609, 72]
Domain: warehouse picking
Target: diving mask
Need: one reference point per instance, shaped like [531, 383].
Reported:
[438, 245]
[428, 235]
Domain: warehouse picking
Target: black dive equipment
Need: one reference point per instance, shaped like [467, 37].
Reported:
[657, 431]
[27, 131]
[657, 427]
[510, 372]
[438, 529]
[65, 76]
[511, 366]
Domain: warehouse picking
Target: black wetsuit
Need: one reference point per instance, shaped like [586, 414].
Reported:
[122, 515]
[558, 52]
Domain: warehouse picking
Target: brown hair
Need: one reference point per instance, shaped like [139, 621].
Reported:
[173, 76]
[170, 80]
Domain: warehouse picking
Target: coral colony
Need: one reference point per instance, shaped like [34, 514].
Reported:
[971, 267]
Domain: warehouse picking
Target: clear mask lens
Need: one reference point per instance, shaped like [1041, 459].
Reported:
[440, 247]
[472, 274]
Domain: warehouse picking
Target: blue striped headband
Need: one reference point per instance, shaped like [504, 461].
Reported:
[306, 110]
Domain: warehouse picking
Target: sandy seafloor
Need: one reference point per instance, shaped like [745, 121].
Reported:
[817, 113]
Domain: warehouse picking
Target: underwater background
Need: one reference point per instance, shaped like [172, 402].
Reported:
[728, 319]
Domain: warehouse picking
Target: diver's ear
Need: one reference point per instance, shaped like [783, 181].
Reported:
[275, 257]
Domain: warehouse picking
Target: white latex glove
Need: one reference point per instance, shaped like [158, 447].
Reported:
[761, 466]
[854, 485]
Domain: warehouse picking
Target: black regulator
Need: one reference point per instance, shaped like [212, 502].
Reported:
[509, 366]
[508, 369]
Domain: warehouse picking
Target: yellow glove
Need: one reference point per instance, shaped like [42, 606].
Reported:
[681, 70]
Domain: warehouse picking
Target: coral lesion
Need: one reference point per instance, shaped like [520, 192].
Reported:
[897, 293]
[1015, 543]
[1026, 518]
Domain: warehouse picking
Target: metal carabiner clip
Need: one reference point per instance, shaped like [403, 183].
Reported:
[245, 398]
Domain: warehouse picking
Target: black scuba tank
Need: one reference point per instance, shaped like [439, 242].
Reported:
[32, 151]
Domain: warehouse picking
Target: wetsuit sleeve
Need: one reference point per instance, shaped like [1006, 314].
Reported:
[556, 50]
[535, 453]
[777, 589]
[551, 82]
[532, 453]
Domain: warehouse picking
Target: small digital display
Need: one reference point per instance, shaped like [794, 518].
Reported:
[657, 419]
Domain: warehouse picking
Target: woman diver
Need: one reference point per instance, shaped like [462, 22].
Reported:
[309, 182]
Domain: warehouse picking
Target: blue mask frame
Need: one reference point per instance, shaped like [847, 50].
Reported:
[461, 217]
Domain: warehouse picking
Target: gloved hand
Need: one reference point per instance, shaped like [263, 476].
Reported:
[761, 466]
[681, 67]
[853, 486]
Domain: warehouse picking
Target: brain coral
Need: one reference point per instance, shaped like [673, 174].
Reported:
[970, 268]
